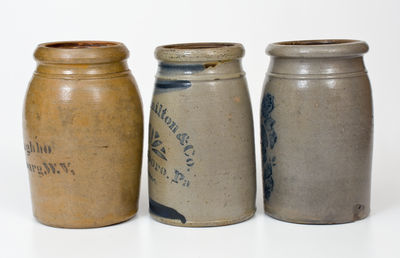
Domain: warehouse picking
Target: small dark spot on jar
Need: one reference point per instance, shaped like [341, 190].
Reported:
[358, 211]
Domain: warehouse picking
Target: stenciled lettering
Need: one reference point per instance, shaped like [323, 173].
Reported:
[50, 168]
[188, 150]
[35, 147]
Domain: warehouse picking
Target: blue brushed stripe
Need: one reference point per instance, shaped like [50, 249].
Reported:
[175, 84]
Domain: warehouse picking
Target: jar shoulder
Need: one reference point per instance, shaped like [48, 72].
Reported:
[348, 84]
[348, 95]
[51, 95]
[87, 90]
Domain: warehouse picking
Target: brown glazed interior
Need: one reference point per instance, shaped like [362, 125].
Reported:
[316, 42]
[199, 45]
[317, 48]
[80, 44]
[81, 52]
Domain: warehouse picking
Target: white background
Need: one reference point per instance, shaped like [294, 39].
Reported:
[143, 25]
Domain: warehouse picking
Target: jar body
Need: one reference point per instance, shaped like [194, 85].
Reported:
[83, 141]
[201, 147]
[316, 131]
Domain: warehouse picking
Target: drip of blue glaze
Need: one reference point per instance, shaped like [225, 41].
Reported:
[165, 211]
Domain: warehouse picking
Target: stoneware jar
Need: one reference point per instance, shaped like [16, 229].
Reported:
[316, 132]
[83, 134]
[201, 147]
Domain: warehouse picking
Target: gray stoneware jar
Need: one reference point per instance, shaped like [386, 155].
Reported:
[201, 142]
[317, 132]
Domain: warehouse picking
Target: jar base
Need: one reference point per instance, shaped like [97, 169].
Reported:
[314, 221]
[214, 223]
[87, 226]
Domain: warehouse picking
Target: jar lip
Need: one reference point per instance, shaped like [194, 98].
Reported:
[317, 48]
[81, 52]
[200, 51]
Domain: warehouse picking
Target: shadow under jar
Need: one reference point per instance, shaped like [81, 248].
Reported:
[201, 142]
[317, 132]
[83, 135]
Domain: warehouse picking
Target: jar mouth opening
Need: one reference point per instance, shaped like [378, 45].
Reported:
[81, 52]
[80, 44]
[199, 52]
[320, 48]
[315, 42]
[199, 45]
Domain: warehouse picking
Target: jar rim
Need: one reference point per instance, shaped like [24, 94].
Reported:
[200, 51]
[317, 48]
[81, 52]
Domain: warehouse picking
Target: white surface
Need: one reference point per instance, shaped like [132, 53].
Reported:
[142, 25]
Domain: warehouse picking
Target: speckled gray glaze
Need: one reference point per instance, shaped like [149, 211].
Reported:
[317, 132]
[201, 142]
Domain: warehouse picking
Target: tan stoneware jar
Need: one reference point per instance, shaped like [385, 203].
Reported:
[201, 141]
[83, 134]
[317, 132]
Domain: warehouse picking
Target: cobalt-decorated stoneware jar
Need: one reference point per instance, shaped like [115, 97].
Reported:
[201, 161]
[317, 132]
[83, 134]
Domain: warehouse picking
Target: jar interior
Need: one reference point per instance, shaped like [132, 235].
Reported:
[199, 45]
[315, 42]
[80, 44]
